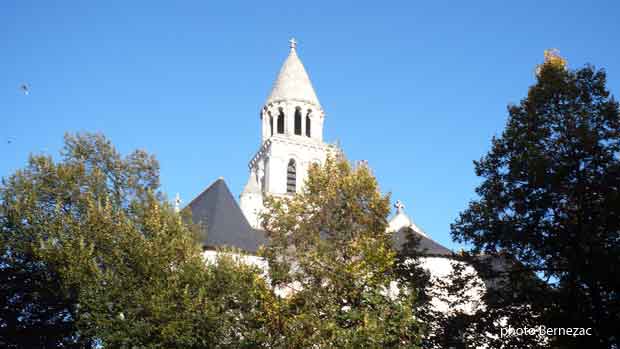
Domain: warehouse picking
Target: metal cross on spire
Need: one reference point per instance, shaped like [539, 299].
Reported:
[293, 43]
[399, 206]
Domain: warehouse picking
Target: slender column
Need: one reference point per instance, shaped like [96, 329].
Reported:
[265, 123]
[303, 113]
[290, 119]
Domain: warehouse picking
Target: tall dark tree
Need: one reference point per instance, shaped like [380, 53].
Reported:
[548, 213]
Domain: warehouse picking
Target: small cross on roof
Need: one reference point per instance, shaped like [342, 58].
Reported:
[399, 206]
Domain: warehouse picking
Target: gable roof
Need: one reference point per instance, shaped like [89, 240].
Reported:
[224, 224]
[426, 246]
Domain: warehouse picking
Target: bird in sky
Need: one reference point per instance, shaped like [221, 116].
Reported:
[25, 89]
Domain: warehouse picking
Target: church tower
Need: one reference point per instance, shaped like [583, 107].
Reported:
[291, 138]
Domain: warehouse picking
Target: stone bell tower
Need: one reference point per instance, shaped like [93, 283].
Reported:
[292, 138]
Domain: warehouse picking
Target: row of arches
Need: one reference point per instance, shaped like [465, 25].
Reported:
[297, 123]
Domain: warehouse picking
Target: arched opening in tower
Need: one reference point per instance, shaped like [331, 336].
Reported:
[298, 121]
[271, 124]
[291, 177]
[308, 124]
[281, 122]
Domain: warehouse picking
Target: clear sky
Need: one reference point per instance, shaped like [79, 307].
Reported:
[417, 88]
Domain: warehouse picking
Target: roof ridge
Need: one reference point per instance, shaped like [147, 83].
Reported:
[204, 191]
[226, 225]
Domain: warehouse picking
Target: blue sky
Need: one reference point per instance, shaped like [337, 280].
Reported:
[416, 88]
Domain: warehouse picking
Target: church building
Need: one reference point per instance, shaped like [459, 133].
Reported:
[291, 129]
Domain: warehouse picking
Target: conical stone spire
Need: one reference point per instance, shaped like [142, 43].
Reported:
[252, 184]
[293, 82]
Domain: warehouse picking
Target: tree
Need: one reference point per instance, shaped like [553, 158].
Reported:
[412, 274]
[548, 211]
[331, 251]
[92, 255]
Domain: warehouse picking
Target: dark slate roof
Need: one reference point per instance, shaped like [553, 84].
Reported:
[224, 224]
[216, 210]
[426, 245]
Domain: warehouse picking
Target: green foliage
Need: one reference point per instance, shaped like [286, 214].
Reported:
[414, 276]
[91, 254]
[330, 250]
[547, 216]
